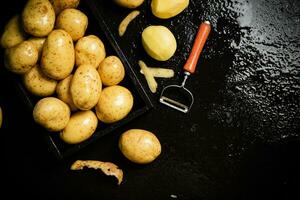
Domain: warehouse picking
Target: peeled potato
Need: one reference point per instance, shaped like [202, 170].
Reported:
[129, 3]
[111, 71]
[165, 9]
[159, 42]
[139, 146]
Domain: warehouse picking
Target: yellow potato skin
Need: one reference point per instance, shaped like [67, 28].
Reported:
[129, 3]
[85, 87]
[139, 146]
[114, 104]
[58, 56]
[21, 58]
[63, 92]
[60, 5]
[51, 113]
[73, 21]
[38, 43]
[80, 127]
[166, 9]
[89, 50]
[111, 71]
[38, 83]
[13, 33]
[159, 42]
[38, 17]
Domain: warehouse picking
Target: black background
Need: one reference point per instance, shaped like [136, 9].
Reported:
[203, 155]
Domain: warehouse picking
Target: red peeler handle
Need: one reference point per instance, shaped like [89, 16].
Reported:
[200, 40]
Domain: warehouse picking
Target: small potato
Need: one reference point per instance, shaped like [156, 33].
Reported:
[60, 5]
[13, 33]
[89, 50]
[111, 71]
[1, 117]
[21, 58]
[58, 56]
[129, 3]
[73, 21]
[159, 42]
[51, 113]
[63, 92]
[38, 83]
[166, 9]
[85, 87]
[38, 17]
[38, 43]
[114, 104]
[139, 146]
[80, 127]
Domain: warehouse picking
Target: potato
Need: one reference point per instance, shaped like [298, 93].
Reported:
[38, 17]
[58, 55]
[63, 92]
[80, 127]
[21, 58]
[139, 146]
[38, 83]
[1, 117]
[73, 21]
[85, 87]
[114, 104]
[166, 9]
[60, 5]
[13, 33]
[159, 42]
[38, 43]
[89, 50]
[51, 113]
[129, 3]
[111, 71]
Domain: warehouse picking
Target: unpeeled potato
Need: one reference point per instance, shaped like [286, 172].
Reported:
[111, 71]
[63, 92]
[60, 5]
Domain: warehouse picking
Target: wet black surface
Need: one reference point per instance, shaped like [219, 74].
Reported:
[240, 140]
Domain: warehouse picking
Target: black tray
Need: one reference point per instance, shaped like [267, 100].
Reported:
[142, 103]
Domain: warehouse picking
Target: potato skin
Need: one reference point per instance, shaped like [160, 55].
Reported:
[60, 5]
[85, 87]
[80, 127]
[38, 83]
[111, 71]
[166, 9]
[38, 17]
[38, 43]
[114, 104]
[51, 113]
[139, 146]
[129, 3]
[63, 92]
[89, 50]
[58, 56]
[13, 33]
[21, 58]
[73, 21]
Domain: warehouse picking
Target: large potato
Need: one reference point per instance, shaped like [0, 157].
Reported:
[38, 17]
[80, 127]
[13, 33]
[139, 146]
[60, 5]
[114, 104]
[38, 83]
[51, 113]
[58, 56]
[89, 50]
[21, 58]
[63, 92]
[85, 87]
[129, 3]
[165, 9]
[73, 21]
[111, 71]
[38, 43]
[159, 42]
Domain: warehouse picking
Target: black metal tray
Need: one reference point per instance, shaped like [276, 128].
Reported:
[142, 103]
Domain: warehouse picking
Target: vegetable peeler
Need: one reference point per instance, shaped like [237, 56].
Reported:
[189, 68]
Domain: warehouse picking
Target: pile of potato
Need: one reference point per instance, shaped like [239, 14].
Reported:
[69, 70]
